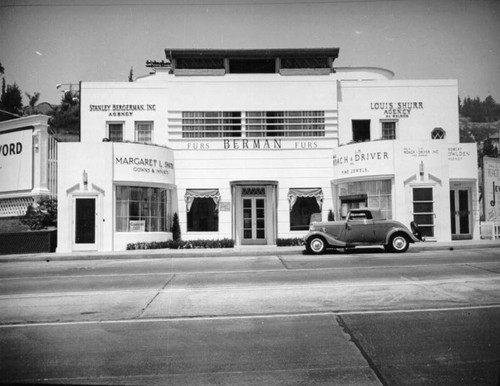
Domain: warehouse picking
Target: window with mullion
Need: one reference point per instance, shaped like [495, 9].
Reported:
[388, 129]
[144, 132]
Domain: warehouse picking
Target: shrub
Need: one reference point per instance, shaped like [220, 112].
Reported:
[176, 228]
[180, 244]
[291, 242]
[42, 214]
[331, 217]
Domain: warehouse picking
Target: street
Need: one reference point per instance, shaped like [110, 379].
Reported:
[364, 318]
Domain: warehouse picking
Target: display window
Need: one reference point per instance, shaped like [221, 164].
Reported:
[142, 209]
[360, 194]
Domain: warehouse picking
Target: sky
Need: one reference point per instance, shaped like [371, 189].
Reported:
[48, 42]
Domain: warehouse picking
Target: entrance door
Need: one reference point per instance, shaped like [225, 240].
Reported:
[254, 220]
[460, 214]
[85, 224]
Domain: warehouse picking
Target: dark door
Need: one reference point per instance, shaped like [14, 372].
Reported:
[460, 214]
[85, 221]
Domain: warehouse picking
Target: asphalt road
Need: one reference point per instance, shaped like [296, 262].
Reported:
[361, 319]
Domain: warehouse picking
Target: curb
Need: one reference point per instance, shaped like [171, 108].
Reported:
[223, 252]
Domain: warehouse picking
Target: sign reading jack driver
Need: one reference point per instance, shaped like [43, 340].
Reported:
[143, 163]
[364, 159]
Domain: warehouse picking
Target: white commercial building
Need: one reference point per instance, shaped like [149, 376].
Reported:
[252, 144]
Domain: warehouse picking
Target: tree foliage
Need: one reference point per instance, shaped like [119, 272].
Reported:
[176, 229]
[480, 111]
[66, 118]
[42, 214]
[11, 102]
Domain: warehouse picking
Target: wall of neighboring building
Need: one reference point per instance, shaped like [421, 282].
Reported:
[418, 106]
[28, 155]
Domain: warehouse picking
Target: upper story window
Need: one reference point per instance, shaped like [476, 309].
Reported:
[360, 130]
[438, 133]
[115, 131]
[206, 124]
[144, 132]
[210, 124]
[388, 129]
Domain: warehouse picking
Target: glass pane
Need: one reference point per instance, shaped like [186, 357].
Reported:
[427, 231]
[463, 200]
[260, 234]
[423, 207]
[85, 221]
[422, 194]
[247, 234]
[424, 219]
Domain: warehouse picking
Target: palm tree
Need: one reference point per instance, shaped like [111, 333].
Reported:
[33, 100]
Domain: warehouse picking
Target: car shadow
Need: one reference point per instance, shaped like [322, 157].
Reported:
[349, 251]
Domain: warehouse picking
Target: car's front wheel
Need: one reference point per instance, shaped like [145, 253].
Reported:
[398, 243]
[316, 245]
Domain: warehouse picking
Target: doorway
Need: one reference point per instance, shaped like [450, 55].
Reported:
[254, 212]
[460, 212]
[85, 223]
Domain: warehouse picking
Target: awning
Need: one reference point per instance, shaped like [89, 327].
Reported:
[191, 194]
[294, 193]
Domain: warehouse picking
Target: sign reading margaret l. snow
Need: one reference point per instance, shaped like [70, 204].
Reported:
[143, 163]
[16, 161]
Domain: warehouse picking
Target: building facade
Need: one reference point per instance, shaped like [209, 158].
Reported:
[28, 164]
[262, 142]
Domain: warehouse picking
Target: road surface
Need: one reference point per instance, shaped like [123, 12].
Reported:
[365, 318]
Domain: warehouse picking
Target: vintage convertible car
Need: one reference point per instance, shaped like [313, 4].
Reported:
[362, 227]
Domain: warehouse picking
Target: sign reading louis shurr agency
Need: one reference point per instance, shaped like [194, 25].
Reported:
[396, 110]
[16, 160]
[143, 163]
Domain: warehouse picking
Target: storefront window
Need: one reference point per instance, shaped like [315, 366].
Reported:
[302, 211]
[203, 215]
[140, 209]
[305, 204]
[360, 194]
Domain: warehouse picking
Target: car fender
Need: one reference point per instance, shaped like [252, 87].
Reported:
[333, 242]
[411, 236]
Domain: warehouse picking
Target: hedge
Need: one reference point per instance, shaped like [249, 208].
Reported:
[292, 242]
[181, 244]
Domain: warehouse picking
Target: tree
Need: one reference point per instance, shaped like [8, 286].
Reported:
[32, 101]
[131, 75]
[176, 229]
[11, 102]
[66, 118]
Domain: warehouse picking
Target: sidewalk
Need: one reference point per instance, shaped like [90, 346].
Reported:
[265, 250]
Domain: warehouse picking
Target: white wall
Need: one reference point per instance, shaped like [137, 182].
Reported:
[436, 106]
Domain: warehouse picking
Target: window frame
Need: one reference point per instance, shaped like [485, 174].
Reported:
[396, 126]
[137, 131]
[212, 224]
[108, 130]
[155, 214]
[434, 134]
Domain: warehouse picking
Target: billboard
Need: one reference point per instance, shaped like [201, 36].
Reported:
[491, 188]
[16, 161]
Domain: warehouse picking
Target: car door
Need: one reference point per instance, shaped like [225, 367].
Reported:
[360, 228]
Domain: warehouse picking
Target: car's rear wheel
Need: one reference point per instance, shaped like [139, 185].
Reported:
[316, 245]
[398, 243]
